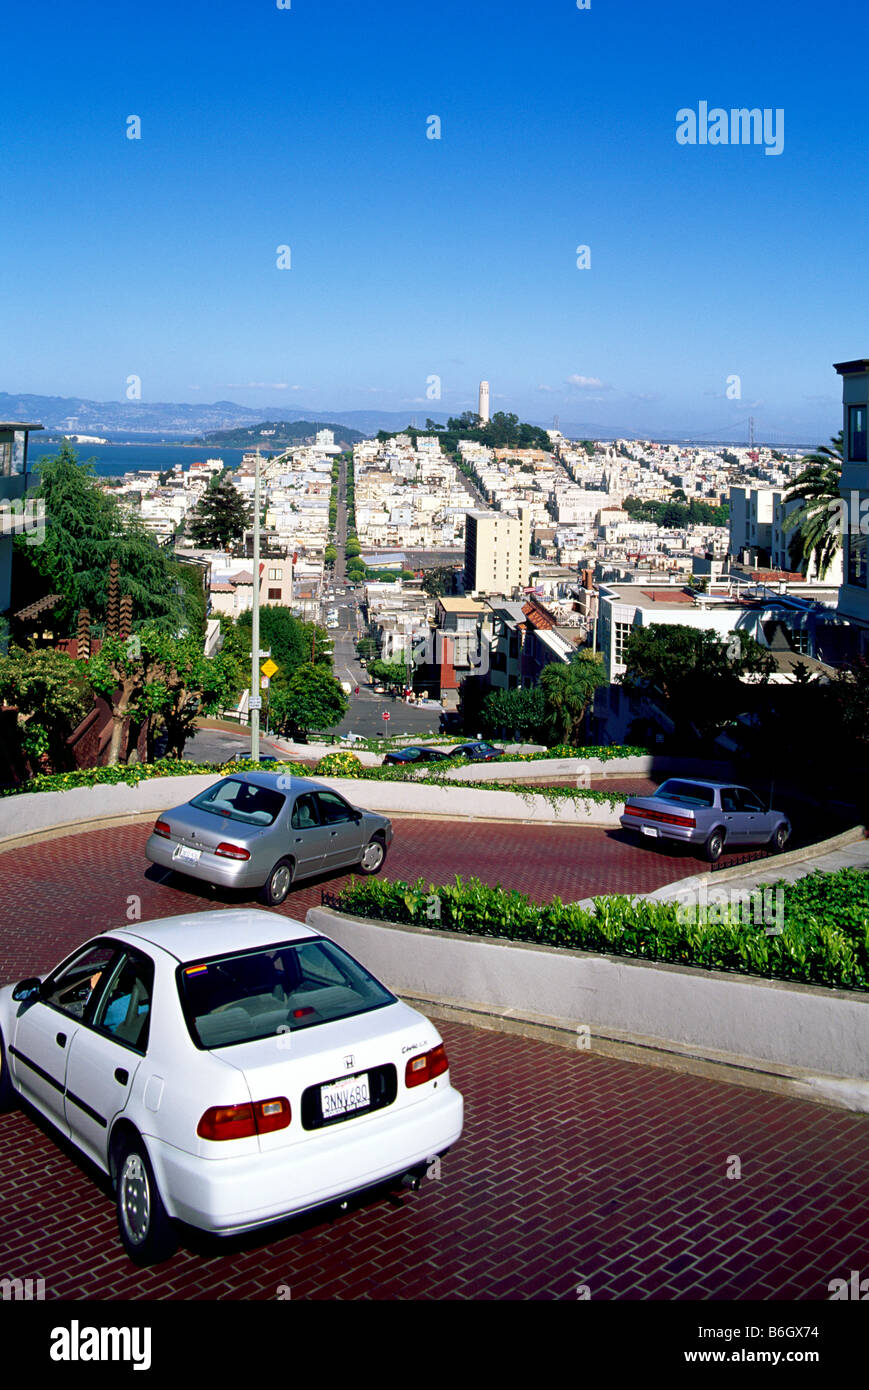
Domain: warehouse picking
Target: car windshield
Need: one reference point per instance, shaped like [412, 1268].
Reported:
[686, 793]
[241, 801]
[273, 991]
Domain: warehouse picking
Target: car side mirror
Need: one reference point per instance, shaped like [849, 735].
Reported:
[357, 816]
[27, 989]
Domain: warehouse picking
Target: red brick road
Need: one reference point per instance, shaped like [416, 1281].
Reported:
[573, 1169]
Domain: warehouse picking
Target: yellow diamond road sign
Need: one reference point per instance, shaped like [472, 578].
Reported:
[268, 669]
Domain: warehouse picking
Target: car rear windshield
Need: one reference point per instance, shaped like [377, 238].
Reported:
[241, 801]
[274, 990]
[686, 793]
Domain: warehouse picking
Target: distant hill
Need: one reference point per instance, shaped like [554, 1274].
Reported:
[271, 434]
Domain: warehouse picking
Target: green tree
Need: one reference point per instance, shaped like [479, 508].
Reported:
[438, 581]
[568, 689]
[85, 529]
[697, 675]
[221, 515]
[311, 699]
[352, 548]
[515, 712]
[390, 673]
[816, 534]
[290, 640]
[154, 674]
[330, 555]
[52, 695]
[366, 648]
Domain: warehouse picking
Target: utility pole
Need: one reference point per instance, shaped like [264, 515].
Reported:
[255, 696]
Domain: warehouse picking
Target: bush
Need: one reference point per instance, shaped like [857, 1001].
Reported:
[824, 940]
[339, 765]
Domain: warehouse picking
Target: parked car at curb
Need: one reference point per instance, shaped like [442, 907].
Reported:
[477, 752]
[227, 1069]
[267, 830]
[716, 816]
[402, 756]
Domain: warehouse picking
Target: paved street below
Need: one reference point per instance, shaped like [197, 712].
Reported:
[573, 1168]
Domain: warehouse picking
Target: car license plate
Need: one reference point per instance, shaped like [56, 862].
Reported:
[649, 830]
[190, 856]
[342, 1097]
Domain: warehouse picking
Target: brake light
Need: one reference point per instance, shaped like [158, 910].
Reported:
[664, 817]
[243, 1121]
[228, 851]
[162, 828]
[426, 1067]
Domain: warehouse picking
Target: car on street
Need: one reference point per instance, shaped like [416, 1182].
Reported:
[718, 817]
[402, 756]
[227, 1069]
[477, 752]
[267, 830]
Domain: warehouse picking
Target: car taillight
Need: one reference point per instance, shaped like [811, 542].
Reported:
[243, 1121]
[665, 817]
[228, 851]
[162, 828]
[426, 1067]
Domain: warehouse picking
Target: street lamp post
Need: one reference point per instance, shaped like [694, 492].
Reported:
[254, 655]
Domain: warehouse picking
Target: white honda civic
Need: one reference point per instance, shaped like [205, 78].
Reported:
[227, 1069]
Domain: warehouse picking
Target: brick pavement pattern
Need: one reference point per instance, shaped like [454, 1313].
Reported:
[574, 1169]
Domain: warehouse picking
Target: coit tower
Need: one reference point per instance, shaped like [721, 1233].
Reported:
[483, 412]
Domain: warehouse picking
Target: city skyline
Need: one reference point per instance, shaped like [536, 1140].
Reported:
[325, 212]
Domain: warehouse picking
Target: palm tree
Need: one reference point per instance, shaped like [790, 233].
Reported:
[818, 488]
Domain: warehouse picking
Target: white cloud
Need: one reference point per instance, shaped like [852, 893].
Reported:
[587, 383]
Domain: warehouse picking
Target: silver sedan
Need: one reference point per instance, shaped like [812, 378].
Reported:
[266, 830]
[715, 816]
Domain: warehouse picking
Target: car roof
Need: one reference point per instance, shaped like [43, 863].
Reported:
[278, 781]
[192, 935]
[704, 782]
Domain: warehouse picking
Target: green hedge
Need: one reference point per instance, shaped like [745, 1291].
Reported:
[825, 937]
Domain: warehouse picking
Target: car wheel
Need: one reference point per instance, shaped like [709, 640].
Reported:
[373, 856]
[780, 839]
[8, 1099]
[144, 1225]
[714, 846]
[278, 883]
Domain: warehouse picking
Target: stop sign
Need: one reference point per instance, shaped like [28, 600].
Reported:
[385, 714]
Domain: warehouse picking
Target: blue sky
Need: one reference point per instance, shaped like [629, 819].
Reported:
[455, 258]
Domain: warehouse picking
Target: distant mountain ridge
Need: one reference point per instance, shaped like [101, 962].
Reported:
[167, 420]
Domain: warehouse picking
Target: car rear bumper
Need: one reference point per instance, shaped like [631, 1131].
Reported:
[226, 1195]
[226, 873]
[682, 833]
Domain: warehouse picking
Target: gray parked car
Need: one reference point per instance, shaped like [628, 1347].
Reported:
[713, 815]
[266, 830]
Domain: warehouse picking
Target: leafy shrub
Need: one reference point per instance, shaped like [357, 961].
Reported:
[827, 946]
[339, 765]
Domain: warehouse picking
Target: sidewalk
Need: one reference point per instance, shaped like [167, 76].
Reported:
[847, 851]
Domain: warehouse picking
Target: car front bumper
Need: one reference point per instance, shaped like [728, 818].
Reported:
[226, 1195]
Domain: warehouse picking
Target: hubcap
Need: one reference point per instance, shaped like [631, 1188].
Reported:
[373, 856]
[135, 1199]
[281, 881]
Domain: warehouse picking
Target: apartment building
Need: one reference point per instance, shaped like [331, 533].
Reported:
[497, 551]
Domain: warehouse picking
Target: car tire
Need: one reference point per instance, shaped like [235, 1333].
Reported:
[8, 1097]
[779, 839]
[373, 856]
[714, 847]
[278, 883]
[145, 1227]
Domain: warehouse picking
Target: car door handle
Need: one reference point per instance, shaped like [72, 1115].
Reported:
[61, 1040]
[121, 1076]
[333, 833]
